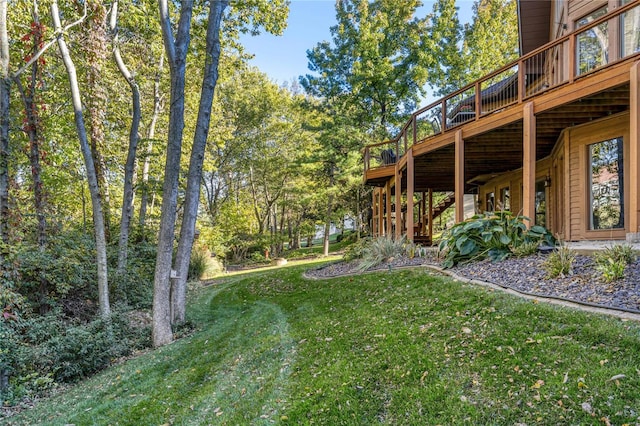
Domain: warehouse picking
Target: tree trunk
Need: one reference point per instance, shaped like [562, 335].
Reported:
[5, 89]
[129, 169]
[194, 179]
[151, 134]
[95, 103]
[98, 219]
[176, 51]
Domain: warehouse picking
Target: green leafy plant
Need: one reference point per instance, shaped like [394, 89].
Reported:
[383, 249]
[525, 249]
[611, 269]
[560, 262]
[356, 250]
[494, 235]
[612, 261]
[200, 263]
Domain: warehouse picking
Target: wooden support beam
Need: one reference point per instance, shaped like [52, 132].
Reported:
[529, 164]
[459, 177]
[374, 212]
[410, 190]
[423, 213]
[388, 208]
[634, 153]
[431, 215]
[398, 233]
[380, 207]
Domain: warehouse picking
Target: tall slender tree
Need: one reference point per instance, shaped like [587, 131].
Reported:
[96, 203]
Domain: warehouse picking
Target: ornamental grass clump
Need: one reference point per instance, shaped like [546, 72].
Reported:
[612, 262]
[560, 262]
[381, 250]
[493, 235]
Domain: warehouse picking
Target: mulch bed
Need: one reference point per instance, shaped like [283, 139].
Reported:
[528, 275]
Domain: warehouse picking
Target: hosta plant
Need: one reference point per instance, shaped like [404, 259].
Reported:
[493, 235]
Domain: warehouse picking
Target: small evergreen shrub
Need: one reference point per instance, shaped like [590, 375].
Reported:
[560, 262]
[494, 235]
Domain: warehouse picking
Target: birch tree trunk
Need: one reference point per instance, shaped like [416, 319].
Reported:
[151, 134]
[176, 50]
[192, 201]
[129, 168]
[98, 218]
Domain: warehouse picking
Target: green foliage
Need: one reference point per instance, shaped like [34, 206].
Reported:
[612, 261]
[560, 262]
[200, 263]
[75, 352]
[525, 249]
[494, 235]
[356, 250]
[135, 287]
[381, 250]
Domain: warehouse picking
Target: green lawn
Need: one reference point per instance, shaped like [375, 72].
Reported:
[403, 347]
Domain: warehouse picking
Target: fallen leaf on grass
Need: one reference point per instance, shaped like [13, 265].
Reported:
[538, 384]
[617, 377]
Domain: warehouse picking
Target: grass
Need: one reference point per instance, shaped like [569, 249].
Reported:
[404, 347]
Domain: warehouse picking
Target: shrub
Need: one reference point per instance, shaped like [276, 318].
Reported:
[356, 250]
[560, 262]
[612, 261]
[82, 350]
[494, 235]
[199, 264]
[525, 249]
[382, 249]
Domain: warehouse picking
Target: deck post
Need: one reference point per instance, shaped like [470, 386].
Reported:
[398, 232]
[410, 190]
[430, 215]
[634, 154]
[459, 177]
[529, 164]
[387, 190]
[374, 212]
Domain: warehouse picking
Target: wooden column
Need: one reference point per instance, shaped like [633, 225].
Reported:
[634, 154]
[529, 164]
[430, 215]
[459, 177]
[380, 212]
[398, 232]
[388, 208]
[374, 212]
[410, 190]
[423, 213]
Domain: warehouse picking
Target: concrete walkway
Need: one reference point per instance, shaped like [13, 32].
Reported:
[590, 247]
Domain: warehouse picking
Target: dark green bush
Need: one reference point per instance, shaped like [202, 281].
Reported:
[493, 235]
[356, 250]
[82, 350]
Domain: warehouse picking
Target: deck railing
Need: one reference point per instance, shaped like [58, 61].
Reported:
[584, 51]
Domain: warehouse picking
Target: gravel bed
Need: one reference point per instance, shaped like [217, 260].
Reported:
[528, 275]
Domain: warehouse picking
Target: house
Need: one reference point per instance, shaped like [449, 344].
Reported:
[555, 135]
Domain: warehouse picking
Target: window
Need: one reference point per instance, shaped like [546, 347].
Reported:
[593, 44]
[630, 31]
[606, 191]
[541, 204]
[505, 199]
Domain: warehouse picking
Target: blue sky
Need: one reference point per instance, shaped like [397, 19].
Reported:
[284, 58]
